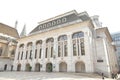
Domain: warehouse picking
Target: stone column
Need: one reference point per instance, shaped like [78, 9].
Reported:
[70, 52]
[88, 53]
[33, 55]
[24, 56]
[55, 53]
[43, 68]
[15, 58]
[16, 53]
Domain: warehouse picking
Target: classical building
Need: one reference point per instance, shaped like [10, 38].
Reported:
[70, 42]
[116, 40]
[8, 43]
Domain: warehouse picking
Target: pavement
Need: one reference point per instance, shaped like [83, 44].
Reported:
[49, 76]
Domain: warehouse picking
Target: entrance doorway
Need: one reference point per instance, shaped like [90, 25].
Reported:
[49, 67]
[19, 67]
[79, 67]
[37, 67]
[62, 67]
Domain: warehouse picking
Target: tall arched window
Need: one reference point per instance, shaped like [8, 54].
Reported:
[49, 48]
[0, 51]
[78, 44]
[29, 49]
[21, 49]
[38, 49]
[62, 46]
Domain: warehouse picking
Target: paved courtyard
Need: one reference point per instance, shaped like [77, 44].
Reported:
[48, 76]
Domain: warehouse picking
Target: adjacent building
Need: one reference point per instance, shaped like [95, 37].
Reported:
[8, 43]
[116, 40]
[70, 42]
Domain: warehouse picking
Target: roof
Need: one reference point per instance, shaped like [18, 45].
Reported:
[61, 20]
[7, 30]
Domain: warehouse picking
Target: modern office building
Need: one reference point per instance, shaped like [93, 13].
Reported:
[116, 40]
[70, 42]
[8, 43]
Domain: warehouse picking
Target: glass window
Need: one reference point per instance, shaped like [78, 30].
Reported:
[62, 38]
[65, 49]
[26, 54]
[22, 55]
[51, 51]
[30, 54]
[82, 48]
[78, 35]
[46, 52]
[40, 53]
[59, 52]
[18, 56]
[74, 50]
[35, 53]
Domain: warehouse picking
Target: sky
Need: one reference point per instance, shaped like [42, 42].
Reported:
[30, 12]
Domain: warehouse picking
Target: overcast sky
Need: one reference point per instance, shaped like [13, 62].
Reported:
[30, 12]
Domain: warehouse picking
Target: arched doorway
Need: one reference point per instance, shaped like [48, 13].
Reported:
[5, 67]
[19, 67]
[28, 67]
[62, 67]
[37, 67]
[79, 67]
[49, 67]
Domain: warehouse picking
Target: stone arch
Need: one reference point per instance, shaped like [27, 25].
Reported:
[28, 67]
[78, 34]
[21, 45]
[63, 67]
[37, 67]
[49, 40]
[79, 67]
[49, 67]
[62, 38]
[5, 67]
[38, 42]
[18, 67]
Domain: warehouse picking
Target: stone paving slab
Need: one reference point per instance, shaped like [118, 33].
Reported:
[48, 76]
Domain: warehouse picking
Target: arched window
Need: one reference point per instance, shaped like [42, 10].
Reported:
[21, 50]
[29, 49]
[49, 48]
[78, 35]
[0, 51]
[78, 44]
[62, 46]
[38, 49]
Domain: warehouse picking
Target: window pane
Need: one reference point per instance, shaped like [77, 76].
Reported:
[46, 52]
[59, 51]
[26, 54]
[35, 53]
[65, 50]
[82, 48]
[51, 51]
[74, 50]
[40, 53]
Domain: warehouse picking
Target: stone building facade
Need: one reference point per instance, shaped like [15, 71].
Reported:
[8, 43]
[70, 42]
